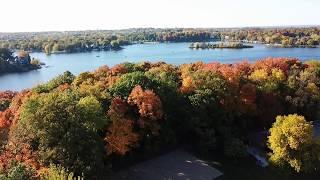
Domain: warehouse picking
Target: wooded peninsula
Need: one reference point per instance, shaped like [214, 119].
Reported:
[20, 63]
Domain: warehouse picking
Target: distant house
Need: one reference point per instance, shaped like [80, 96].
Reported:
[23, 57]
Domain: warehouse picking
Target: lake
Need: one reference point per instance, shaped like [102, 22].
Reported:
[175, 53]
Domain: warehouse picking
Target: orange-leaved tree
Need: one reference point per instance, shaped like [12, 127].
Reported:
[149, 107]
[120, 136]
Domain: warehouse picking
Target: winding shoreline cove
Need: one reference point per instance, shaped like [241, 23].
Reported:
[173, 53]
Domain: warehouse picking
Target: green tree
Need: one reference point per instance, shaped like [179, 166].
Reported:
[115, 44]
[65, 78]
[5, 54]
[48, 48]
[311, 42]
[128, 81]
[56, 47]
[58, 173]
[63, 128]
[18, 171]
[207, 114]
[234, 148]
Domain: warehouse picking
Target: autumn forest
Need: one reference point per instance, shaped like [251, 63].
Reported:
[91, 124]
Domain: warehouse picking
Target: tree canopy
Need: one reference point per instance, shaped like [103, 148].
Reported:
[291, 142]
[83, 125]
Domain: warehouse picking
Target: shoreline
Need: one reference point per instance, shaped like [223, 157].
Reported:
[220, 45]
[19, 69]
[66, 52]
[250, 44]
[277, 45]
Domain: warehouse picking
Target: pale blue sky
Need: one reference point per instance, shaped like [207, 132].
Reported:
[46, 15]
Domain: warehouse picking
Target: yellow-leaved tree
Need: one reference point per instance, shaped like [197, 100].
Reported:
[292, 143]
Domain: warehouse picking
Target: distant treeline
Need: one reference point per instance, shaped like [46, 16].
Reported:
[81, 41]
[54, 42]
[286, 37]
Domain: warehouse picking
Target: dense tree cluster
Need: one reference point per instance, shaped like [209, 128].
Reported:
[175, 35]
[21, 63]
[286, 37]
[65, 43]
[83, 41]
[5, 54]
[80, 125]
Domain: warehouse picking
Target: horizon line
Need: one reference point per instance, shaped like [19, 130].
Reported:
[130, 28]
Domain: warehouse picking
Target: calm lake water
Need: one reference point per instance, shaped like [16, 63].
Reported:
[175, 53]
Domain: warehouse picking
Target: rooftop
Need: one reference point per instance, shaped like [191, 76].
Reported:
[177, 165]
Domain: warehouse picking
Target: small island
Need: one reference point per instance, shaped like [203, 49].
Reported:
[22, 62]
[229, 45]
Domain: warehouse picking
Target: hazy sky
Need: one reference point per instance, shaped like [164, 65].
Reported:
[45, 15]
